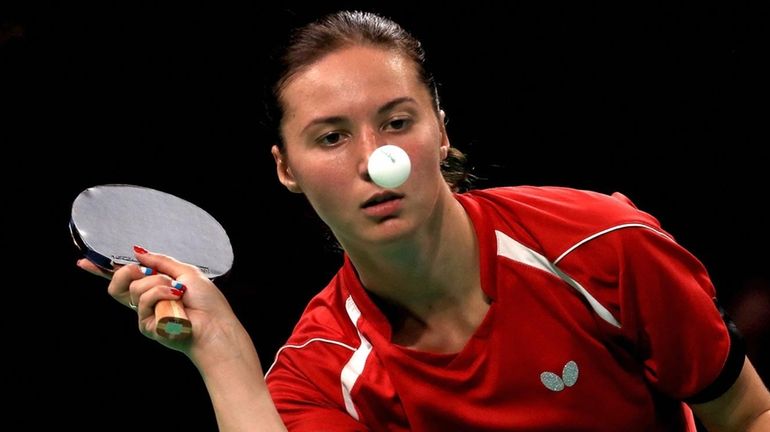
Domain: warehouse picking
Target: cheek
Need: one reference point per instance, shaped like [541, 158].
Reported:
[324, 181]
[426, 156]
[426, 170]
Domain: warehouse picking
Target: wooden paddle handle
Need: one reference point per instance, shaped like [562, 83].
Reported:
[171, 321]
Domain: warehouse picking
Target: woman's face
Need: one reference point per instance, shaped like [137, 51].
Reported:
[336, 112]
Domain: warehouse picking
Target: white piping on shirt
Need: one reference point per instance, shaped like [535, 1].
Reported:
[510, 248]
[303, 345]
[601, 233]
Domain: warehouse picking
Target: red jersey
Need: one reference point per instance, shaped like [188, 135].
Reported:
[598, 321]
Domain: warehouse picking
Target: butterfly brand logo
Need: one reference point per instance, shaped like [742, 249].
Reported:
[568, 378]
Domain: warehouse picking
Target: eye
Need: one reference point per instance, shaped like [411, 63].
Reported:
[398, 124]
[330, 139]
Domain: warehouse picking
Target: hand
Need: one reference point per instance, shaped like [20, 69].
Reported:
[220, 347]
[204, 304]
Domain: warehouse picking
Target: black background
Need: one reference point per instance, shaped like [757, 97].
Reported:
[665, 104]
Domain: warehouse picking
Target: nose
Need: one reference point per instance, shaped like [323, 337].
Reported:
[369, 142]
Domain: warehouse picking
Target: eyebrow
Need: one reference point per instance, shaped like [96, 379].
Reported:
[336, 119]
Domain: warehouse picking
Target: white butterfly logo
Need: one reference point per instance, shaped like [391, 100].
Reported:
[569, 376]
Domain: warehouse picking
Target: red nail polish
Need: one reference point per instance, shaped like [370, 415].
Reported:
[176, 292]
[140, 250]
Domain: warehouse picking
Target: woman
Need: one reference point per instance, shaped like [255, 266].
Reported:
[505, 309]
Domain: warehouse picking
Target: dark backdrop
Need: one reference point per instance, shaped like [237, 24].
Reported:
[666, 104]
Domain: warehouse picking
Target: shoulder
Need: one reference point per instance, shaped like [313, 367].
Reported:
[552, 219]
[323, 338]
[305, 377]
[324, 324]
[561, 202]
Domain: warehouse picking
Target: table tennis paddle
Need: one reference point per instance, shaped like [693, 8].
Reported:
[108, 220]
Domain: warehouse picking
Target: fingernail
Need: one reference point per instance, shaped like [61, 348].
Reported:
[179, 285]
[176, 292]
[140, 250]
[147, 271]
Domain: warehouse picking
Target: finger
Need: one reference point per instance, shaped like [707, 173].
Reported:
[163, 263]
[92, 268]
[151, 297]
[121, 281]
[140, 286]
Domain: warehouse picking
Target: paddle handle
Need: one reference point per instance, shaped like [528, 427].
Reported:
[171, 321]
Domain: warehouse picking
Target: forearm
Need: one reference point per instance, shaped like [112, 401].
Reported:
[242, 402]
[235, 383]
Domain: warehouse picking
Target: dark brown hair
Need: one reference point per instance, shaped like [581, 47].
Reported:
[315, 40]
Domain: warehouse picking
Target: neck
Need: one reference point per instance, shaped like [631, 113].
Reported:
[431, 272]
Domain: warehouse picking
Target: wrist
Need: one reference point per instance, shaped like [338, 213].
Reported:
[224, 344]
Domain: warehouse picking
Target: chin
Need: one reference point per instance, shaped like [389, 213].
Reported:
[388, 231]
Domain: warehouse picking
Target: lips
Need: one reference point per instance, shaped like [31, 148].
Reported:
[380, 198]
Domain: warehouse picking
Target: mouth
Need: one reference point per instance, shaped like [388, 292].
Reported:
[381, 197]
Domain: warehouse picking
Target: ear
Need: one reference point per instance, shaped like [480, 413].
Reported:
[444, 146]
[284, 172]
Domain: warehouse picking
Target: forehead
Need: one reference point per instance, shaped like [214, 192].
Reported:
[349, 78]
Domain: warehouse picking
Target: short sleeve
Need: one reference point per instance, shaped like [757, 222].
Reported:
[666, 305]
[305, 396]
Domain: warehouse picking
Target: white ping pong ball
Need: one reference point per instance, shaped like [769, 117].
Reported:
[389, 166]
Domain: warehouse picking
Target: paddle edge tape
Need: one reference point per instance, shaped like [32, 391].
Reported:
[105, 263]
